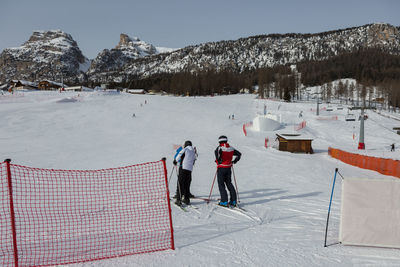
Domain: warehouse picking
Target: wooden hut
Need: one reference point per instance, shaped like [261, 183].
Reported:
[50, 85]
[294, 143]
[20, 85]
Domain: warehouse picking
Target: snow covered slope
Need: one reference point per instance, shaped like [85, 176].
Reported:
[286, 194]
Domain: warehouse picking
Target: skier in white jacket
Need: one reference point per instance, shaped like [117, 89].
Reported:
[187, 156]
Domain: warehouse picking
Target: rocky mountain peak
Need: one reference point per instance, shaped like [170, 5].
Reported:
[128, 49]
[134, 47]
[49, 36]
[46, 55]
[383, 32]
[125, 40]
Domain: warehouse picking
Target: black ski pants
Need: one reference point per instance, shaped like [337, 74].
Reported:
[225, 178]
[184, 179]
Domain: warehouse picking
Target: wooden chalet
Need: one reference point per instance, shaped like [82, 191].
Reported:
[50, 85]
[21, 84]
[294, 143]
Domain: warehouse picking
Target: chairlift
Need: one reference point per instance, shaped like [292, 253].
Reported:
[365, 117]
[350, 117]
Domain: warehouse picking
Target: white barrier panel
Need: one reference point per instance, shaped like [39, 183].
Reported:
[370, 213]
[267, 122]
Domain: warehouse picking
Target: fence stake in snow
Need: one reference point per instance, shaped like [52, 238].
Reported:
[329, 209]
[361, 144]
[169, 204]
[12, 213]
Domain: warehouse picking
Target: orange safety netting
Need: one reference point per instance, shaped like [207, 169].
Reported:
[385, 166]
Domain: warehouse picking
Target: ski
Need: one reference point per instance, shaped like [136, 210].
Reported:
[242, 212]
[204, 199]
[192, 207]
[240, 208]
[179, 206]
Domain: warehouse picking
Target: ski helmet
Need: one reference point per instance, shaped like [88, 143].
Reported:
[223, 139]
[187, 143]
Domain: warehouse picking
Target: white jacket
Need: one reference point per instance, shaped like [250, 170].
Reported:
[188, 159]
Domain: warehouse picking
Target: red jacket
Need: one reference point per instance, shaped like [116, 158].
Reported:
[224, 154]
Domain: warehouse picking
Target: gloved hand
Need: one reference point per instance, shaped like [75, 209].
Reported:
[235, 161]
[174, 162]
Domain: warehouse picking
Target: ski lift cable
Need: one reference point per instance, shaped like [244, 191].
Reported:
[382, 125]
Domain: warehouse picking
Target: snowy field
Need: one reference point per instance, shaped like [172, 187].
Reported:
[287, 194]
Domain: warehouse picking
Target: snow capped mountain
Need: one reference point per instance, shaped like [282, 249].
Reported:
[262, 51]
[128, 49]
[47, 54]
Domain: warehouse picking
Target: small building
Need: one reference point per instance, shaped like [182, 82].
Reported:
[78, 88]
[294, 143]
[4, 87]
[50, 85]
[23, 85]
[136, 91]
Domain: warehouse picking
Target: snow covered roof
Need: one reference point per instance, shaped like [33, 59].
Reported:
[136, 91]
[23, 82]
[55, 83]
[4, 86]
[294, 136]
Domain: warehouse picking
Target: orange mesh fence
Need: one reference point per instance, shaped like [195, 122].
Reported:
[385, 166]
[52, 217]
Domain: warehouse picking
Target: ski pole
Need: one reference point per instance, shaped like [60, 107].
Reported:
[237, 190]
[179, 186]
[209, 197]
[171, 174]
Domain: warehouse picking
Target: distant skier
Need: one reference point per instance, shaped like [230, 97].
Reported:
[223, 157]
[301, 114]
[233, 116]
[187, 157]
[265, 109]
[392, 148]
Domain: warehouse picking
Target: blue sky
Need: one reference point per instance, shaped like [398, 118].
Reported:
[97, 24]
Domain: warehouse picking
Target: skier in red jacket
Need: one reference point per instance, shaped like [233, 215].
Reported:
[223, 157]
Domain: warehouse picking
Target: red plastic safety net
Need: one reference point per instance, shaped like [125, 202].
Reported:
[69, 216]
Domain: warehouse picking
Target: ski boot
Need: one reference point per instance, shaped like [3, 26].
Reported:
[186, 200]
[178, 202]
[232, 203]
[223, 204]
